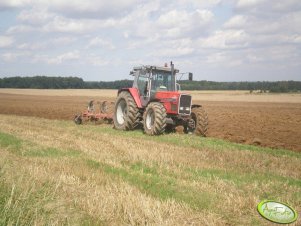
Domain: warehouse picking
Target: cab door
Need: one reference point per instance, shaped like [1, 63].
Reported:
[143, 84]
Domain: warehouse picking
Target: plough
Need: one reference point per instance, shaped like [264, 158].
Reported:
[103, 114]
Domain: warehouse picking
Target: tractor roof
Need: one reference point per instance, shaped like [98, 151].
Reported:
[152, 67]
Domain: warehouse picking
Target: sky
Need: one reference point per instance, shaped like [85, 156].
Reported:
[217, 40]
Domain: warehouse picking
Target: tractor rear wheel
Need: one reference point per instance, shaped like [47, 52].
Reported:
[199, 118]
[154, 119]
[126, 115]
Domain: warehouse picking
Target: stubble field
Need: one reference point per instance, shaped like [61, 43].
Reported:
[55, 172]
[270, 120]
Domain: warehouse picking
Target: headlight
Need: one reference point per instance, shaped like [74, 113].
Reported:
[181, 108]
[187, 109]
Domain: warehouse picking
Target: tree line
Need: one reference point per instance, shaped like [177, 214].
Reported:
[262, 86]
[45, 82]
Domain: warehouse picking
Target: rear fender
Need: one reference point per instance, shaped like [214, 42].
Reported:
[135, 94]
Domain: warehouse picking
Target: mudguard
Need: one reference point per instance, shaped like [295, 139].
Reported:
[135, 94]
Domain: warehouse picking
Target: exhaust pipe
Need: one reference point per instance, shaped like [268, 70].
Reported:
[172, 67]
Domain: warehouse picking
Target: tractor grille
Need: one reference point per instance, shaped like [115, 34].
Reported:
[185, 104]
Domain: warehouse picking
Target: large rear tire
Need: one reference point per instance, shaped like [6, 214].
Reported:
[126, 115]
[200, 118]
[154, 119]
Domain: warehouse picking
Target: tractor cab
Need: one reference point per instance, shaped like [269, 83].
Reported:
[151, 80]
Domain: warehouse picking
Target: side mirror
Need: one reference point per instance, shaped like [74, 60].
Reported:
[178, 86]
[134, 73]
[190, 76]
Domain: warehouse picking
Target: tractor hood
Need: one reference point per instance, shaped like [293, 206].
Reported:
[165, 96]
[175, 102]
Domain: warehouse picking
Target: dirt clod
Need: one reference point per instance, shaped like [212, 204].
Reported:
[256, 141]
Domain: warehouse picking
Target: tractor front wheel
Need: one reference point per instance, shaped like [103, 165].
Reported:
[126, 115]
[154, 119]
[198, 122]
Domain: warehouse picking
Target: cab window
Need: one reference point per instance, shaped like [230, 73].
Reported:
[142, 83]
[162, 81]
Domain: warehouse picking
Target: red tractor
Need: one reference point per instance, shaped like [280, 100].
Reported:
[156, 102]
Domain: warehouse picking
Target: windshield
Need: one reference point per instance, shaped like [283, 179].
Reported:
[162, 81]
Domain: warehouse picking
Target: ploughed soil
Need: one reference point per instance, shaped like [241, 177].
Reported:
[276, 125]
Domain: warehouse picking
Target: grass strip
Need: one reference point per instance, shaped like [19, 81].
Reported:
[242, 179]
[21, 147]
[192, 141]
[160, 186]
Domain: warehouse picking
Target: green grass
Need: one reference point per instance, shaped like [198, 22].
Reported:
[93, 164]
[24, 206]
[193, 141]
[179, 181]
[161, 186]
[34, 203]
[164, 184]
[139, 166]
[241, 179]
[27, 148]
[51, 152]
[10, 142]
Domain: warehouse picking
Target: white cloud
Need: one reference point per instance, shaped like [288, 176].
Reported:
[174, 48]
[200, 4]
[287, 5]
[6, 4]
[60, 24]
[6, 41]
[237, 21]
[223, 59]
[277, 6]
[96, 60]
[91, 8]
[172, 52]
[246, 4]
[76, 8]
[292, 39]
[69, 56]
[180, 18]
[47, 44]
[14, 56]
[160, 21]
[31, 46]
[63, 40]
[226, 39]
[69, 25]
[99, 42]
[35, 16]
[20, 29]
[177, 23]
